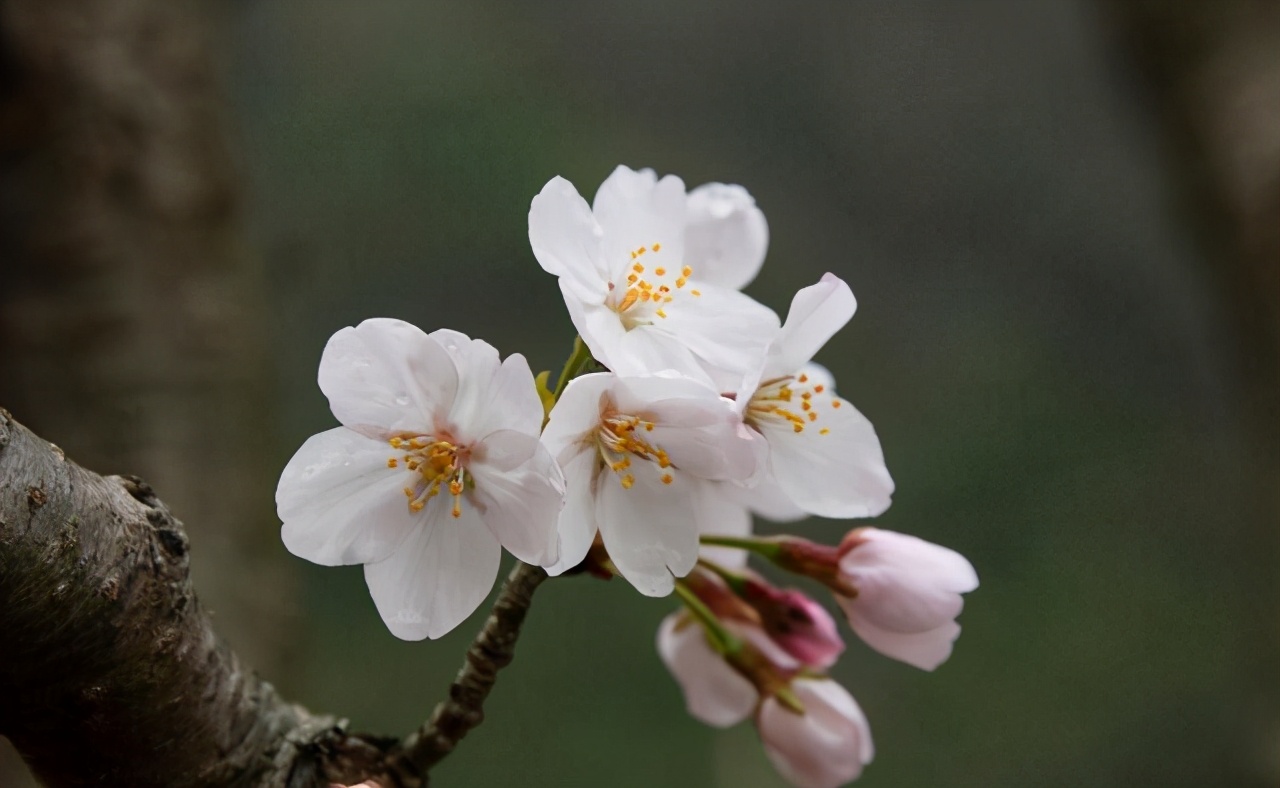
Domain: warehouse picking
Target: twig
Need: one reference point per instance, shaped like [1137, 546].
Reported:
[491, 651]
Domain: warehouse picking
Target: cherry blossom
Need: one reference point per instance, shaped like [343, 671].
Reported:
[813, 731]
[640, 455]
[437, 467]
[904, 594]
[825, 746]
[824, 456]
[629, 270]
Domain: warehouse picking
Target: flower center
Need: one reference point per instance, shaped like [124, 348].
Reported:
[620, 438]
[436, 464]
[648, 290]
[791, 398]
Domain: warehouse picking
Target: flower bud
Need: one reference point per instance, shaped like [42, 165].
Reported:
[826, 745]
[794, 621]
[904, 594]
[722, 690]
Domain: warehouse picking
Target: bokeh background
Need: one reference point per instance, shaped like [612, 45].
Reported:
[1065, 336]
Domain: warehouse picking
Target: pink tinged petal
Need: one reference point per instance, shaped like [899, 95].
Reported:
[564, 235]
[438, 576]
[726, 236]
[714, 693]
[519, 491]
[577, 522]
[576, 415]
[719, 512]
[817, 313]
[340, 503]
[834, 467]
[825, 747]
[925, 650]
[908, 594]
[637, 210]
[910, 554]
[649, 529]
[492, 394]
[385, 377]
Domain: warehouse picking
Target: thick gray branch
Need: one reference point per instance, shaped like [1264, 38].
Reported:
[111, 673]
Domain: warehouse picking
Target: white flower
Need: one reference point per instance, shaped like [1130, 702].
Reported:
[907, 594]
[824, 747]
[639, 456]
[824, 456]
[437, 463]
[636, 296]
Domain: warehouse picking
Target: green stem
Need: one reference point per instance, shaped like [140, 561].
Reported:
[766, 547]
[732, 579]
[722, 640]
[578, 359]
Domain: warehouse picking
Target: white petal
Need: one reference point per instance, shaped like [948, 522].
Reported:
[519, 489]
[438, 576]
[925, 650]
[647, 350]
[726, 237]
[492, 394]
[817, 313]
[768, 500]
[577, 523]
[649, 530]
[340, 503]
[576, 415]
[721, 513]
[713, 692]
[839, 473]
[825, 747]
[635, 210]
[386, 376]
[728, 331]
[564, 235]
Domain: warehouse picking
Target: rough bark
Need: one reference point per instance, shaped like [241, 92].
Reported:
[113, 675]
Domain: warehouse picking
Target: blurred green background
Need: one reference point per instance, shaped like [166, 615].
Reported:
[1043, 343]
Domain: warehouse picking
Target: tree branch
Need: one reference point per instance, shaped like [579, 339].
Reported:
[491, 651]
[111, 673]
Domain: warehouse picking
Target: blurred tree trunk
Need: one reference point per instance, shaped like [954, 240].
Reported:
[131, 314]
[1214, 70]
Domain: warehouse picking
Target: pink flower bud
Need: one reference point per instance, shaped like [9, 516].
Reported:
[824, 747]
[798, 624]
[905, 594]
[718, 691]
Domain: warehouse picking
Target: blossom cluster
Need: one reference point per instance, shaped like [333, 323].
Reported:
[686, 408]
